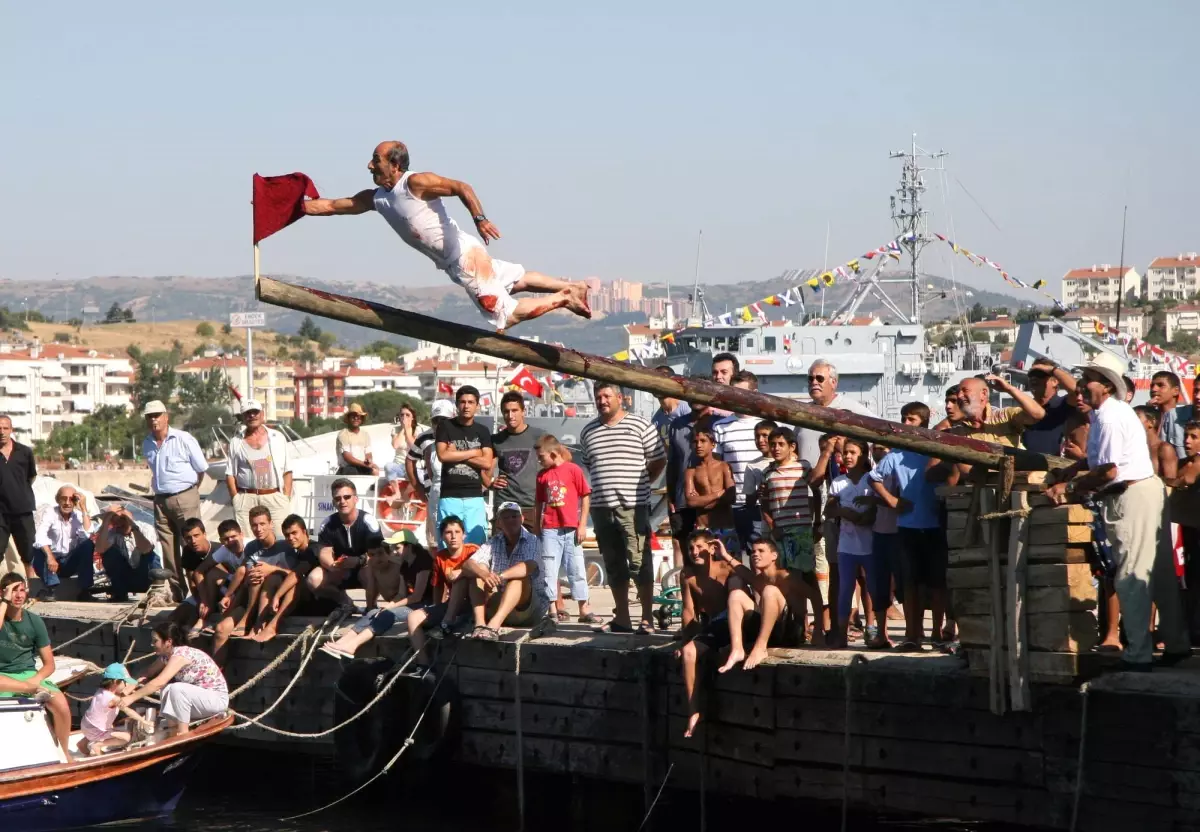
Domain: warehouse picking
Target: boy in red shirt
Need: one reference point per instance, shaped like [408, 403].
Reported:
[563, 499]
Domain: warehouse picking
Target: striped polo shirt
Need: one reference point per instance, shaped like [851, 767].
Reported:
[616, 456]
[787, 495]
[735, 445]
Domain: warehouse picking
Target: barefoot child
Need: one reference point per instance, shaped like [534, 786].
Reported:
[846, 495]
[787, 512]
[400, 577]
[563, 500]
[97, 723]
[710, 490]
[703, 580]
[773, 588]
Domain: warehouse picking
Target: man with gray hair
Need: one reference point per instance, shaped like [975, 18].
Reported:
[822, 388]
[412, 205]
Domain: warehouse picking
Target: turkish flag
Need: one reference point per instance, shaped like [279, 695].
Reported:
[525, 380]
[444, 387]
[279, 202]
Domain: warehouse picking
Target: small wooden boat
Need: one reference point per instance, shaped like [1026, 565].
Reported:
[41, 790]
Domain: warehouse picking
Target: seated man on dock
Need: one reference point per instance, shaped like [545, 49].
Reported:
[504, 579]
[759, 597]
[704, 580]
[209, 577]
[129, 549]
[344, 540]
[281, 567]
[449, 588]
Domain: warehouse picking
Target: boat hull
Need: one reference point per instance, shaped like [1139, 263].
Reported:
[130, 785]
[146, 791]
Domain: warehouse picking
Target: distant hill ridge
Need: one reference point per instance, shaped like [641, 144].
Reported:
[180, 297]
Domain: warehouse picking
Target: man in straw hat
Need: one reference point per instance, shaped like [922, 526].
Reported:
[354, 445]
[1119, 473]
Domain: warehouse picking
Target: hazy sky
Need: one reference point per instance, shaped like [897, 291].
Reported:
[600, 141]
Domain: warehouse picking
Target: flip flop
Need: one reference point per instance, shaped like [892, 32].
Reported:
[644, 629]
[908, 646]
[1110, 649]
[590, 618]
[614, 629]
[330, 650]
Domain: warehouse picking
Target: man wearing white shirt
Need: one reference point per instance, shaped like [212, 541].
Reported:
[128, 551]
[258, 469]
[1131, 499]
[62, 544]
[177, 467]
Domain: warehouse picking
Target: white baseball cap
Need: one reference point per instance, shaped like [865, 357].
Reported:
[443, 408]
[249, 405]
[153, 407]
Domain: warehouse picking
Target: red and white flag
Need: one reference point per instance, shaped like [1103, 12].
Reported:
[445, 387]
[525, 380]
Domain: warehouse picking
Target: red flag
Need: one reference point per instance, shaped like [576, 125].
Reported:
[278, 202]
[444, 387]
[525, 380]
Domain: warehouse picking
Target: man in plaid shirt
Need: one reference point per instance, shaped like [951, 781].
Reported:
[506, 589]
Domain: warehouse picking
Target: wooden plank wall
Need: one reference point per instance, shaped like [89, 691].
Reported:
[922, 739]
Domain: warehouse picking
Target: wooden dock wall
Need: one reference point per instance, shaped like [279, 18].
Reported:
[922, 739]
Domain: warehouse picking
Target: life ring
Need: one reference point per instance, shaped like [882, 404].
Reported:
[366, 745]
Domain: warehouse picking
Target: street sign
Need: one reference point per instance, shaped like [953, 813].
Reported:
[247, 319]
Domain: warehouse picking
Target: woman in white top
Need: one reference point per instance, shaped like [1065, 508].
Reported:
[404, 434]
[850, 502]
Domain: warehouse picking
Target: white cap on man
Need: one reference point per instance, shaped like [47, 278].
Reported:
[153, 408]
[249, 405]
[443, 408]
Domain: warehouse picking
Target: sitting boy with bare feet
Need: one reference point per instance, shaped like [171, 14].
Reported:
[283, 566]
[703, 579]
[212, 578]
[400, 577]
[775, 591]
[710, 490]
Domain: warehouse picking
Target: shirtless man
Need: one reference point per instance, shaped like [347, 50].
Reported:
[710, 489]
[703, 579]
[412, 205]
[772, 584]
[1162, 454]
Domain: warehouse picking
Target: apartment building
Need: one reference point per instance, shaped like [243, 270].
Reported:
[369, 374]
[1182, 319]
[1099, 284]
[1003, 328]
[1173, 277]
[44, 387]
[274, 382]
[1133, 321]
[487, 378]
[320, 391]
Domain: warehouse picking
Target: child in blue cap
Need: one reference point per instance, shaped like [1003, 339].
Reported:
[98, 723]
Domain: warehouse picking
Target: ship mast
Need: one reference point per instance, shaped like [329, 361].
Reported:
[910, 218]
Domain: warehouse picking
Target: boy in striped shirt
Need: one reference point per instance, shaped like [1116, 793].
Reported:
[787, 512]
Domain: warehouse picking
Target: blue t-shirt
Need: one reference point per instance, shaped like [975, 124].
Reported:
[906, 469]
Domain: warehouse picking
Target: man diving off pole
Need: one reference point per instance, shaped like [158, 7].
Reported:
[412, 205]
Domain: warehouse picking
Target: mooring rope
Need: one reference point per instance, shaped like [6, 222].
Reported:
[520, 737]
[858, 658]
[409, 741]
[118, 617]
[383, 692]
[661, 786]
[1084, 689]
[278, 660]
[312, 649]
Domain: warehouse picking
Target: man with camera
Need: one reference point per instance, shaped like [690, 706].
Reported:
[63, 546]
[128, 551]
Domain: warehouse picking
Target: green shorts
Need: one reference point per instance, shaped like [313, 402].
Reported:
[623, 538]
[23, 676]
[796, 548]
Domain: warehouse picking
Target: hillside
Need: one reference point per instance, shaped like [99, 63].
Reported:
[185, 301]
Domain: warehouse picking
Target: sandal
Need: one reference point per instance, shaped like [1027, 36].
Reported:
[563, 616]
[614, 628]
[644, 629]
[590, 618]
[330, 650]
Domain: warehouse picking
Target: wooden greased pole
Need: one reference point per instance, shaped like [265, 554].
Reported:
[422, 327]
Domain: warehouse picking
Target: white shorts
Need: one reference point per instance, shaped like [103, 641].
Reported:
[489, 283]
[185, 702]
